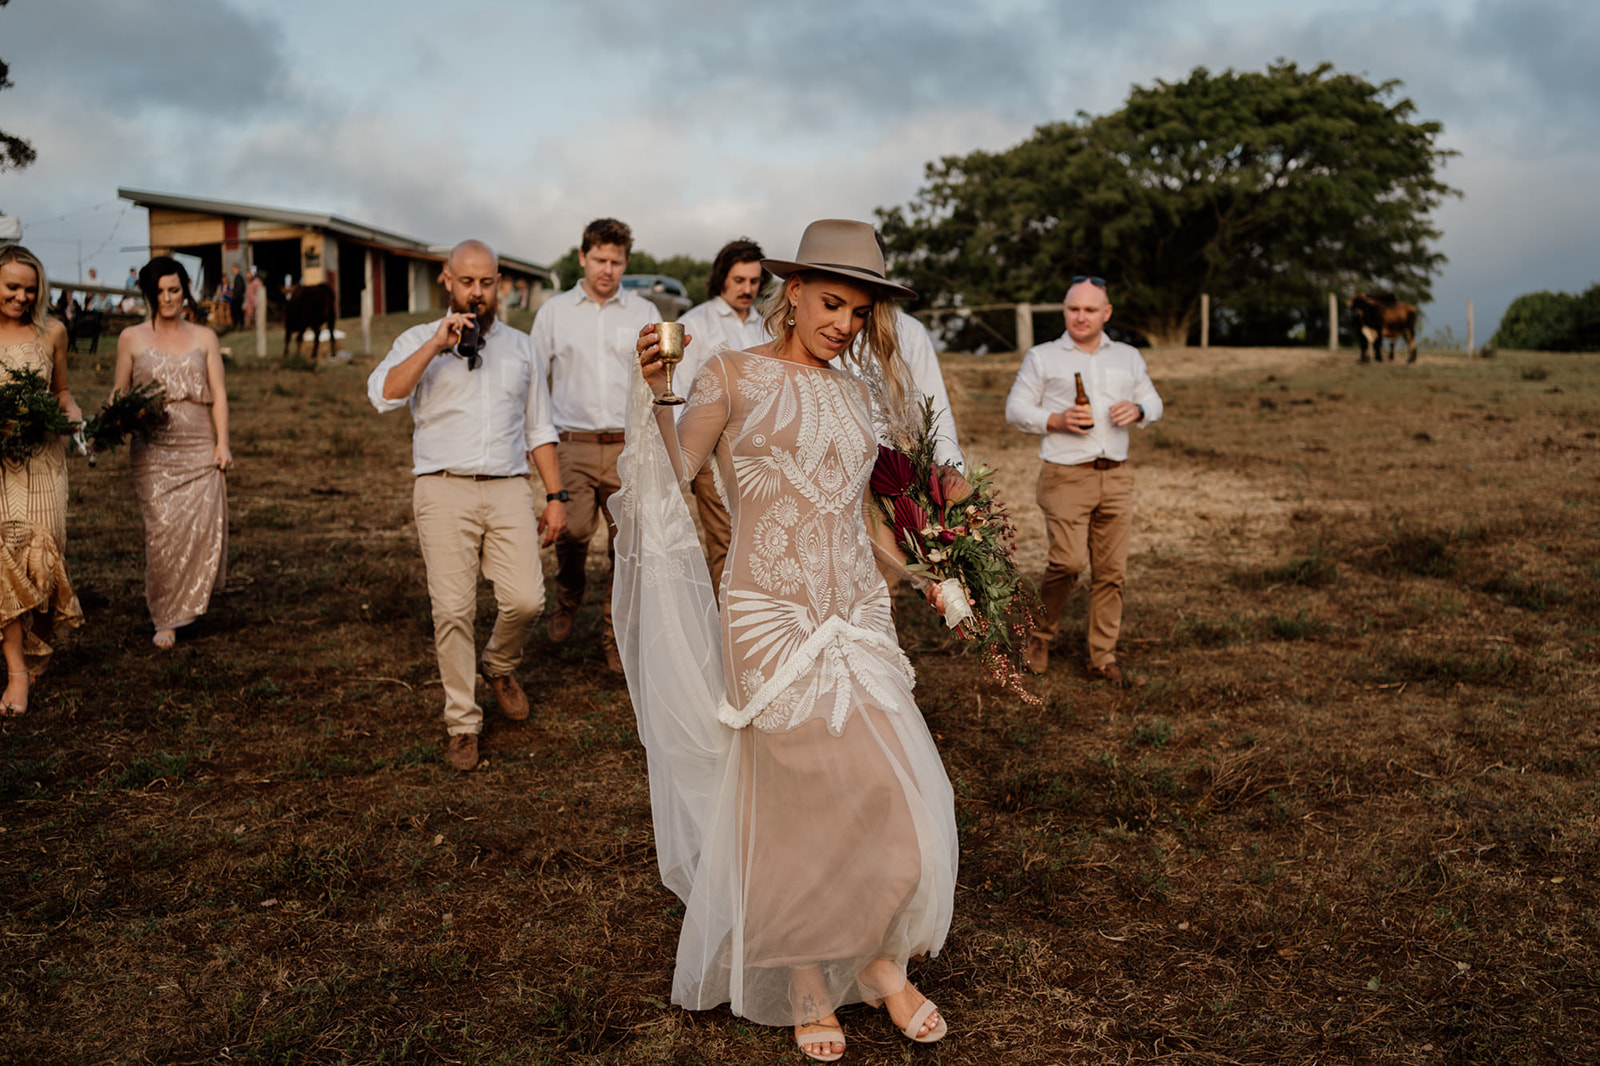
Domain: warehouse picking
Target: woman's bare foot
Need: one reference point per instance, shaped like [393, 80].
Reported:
[821, 1050]
[15, 700]
[165, 638]
[901, 1005]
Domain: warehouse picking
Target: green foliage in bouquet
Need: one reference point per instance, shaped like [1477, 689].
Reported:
[954, 526]
[138, 412]
[30, 415]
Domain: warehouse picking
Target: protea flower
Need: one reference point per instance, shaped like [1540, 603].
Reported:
[953, 486]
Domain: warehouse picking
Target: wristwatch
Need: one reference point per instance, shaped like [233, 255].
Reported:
[563, 496]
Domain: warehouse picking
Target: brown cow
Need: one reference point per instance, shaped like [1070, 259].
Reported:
[1380, 316]
[310, 307]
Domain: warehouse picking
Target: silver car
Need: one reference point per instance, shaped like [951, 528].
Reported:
[668, 294]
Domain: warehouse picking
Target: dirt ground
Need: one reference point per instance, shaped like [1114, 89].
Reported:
[1347, 815]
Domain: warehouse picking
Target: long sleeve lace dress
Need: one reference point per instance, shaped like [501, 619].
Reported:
[801, 809]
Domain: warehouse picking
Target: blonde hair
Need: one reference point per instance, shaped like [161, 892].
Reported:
[878, 342]
[16, 253]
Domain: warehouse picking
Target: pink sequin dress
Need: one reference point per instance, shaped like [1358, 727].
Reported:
[182, 494]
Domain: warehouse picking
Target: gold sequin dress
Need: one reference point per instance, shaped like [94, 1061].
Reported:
[182, 494]
[33, 531]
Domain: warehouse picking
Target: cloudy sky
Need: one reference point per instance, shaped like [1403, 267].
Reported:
[699, 120]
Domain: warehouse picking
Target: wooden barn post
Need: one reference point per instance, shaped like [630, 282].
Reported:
[366, 321]
[1472, 337]
[1333, 322]
[261, 323]
[1205, 320]
[1024, 327]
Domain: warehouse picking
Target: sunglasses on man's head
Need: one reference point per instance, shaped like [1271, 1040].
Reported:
[1098, 283]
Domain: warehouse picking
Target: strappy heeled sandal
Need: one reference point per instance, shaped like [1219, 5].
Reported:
[912, 1029]
[819, 1036]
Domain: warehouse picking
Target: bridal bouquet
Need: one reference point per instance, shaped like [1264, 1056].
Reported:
[955, 530]
[30, 416]
[140, 412]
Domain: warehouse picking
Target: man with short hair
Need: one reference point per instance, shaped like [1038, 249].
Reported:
[728, 320]
[1085, 485]
[481, 413]
[584, 341]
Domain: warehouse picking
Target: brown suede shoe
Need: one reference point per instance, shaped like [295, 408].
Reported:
[1037, 654]
[461, 751]
[1109, 672]
[559, 627]
[508, 693]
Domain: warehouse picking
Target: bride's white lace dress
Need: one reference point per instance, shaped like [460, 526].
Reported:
[801, 810]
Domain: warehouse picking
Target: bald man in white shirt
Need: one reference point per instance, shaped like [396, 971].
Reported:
[583, 339]
[482, 415]
[1085, 484]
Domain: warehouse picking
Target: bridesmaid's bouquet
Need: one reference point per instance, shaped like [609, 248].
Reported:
[30, 415]
[139, 412]
[954, 529]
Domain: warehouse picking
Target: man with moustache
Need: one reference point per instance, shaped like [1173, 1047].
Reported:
[584, 341]
[727, 320]
[482, 414]
[1085, 485]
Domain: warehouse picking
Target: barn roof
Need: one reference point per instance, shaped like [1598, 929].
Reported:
[311, 220]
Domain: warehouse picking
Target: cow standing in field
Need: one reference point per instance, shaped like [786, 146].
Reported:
[1381, 316]
[310, 307]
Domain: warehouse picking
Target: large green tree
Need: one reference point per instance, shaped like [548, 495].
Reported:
[15, 153]
[1266, 190]
[1551, 322]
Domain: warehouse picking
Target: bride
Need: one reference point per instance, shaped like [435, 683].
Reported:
[801, 810]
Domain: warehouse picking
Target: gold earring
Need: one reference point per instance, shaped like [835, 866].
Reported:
[791, 320]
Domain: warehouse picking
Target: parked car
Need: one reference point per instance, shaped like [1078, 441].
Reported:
[668, 294]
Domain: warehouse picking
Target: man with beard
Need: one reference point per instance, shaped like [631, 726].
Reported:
[726, 320]
[584, 340]
[482, 414]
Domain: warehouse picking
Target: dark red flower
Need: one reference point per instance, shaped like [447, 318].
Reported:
[909, 519]
[892, 474]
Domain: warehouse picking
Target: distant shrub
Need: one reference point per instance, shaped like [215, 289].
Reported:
[1551, 322]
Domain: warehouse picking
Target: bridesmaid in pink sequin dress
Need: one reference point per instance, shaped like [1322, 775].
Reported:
[178, 475]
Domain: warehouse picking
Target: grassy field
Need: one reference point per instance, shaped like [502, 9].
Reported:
[1350, 816]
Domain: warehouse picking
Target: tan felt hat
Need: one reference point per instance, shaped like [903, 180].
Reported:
[844, 247]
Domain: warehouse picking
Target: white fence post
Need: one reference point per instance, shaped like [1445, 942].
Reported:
[1333, 322]
[1205, 320]
[261, 323]
[1472, 337]
[1024, 327]
[366, 321]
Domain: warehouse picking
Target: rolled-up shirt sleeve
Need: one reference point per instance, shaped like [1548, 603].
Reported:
[538, 428]
[1025, 403]
[404, 346]
[1144, 394]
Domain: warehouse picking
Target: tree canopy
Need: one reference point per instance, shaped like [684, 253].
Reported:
[1266, 190]
[694, 273]
[1552, 322]
[15, 153]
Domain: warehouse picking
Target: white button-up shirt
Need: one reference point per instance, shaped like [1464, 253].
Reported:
[925, 379]
[715, 325]
[586, 352]
[1044, 385]
[481, 421]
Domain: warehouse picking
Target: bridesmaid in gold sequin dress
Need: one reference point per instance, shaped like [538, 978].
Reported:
[35, 594]
[178, 475]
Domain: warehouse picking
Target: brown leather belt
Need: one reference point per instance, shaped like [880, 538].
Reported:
[1102, 463]
[470, 477]
[571, 436]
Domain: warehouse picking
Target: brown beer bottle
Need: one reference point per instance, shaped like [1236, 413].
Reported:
[1082, 399]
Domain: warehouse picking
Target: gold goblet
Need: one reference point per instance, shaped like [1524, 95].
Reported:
[670, 336]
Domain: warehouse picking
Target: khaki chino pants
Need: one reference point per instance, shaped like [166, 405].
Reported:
[715, 523]
[589, 474]
[465, 527]
[1088, 516]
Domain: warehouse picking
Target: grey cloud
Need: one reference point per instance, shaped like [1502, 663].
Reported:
[194, 55]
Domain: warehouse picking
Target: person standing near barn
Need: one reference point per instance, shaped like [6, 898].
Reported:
[725, 322]
[482, 415]
[1085, 484]
[583, 339]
